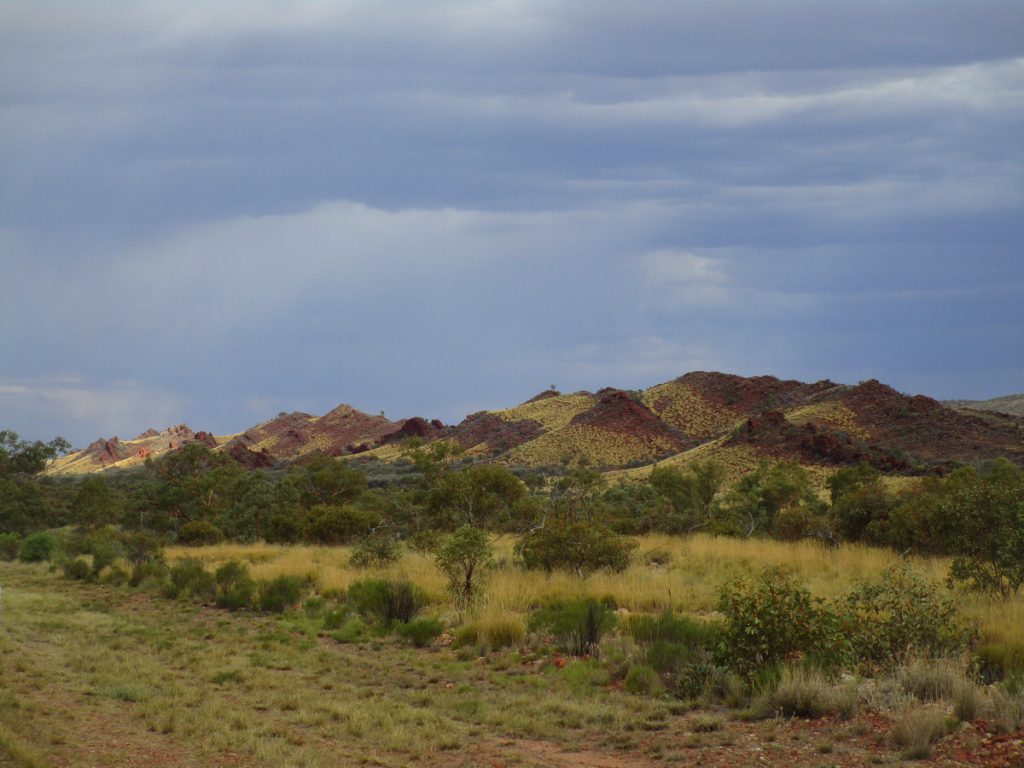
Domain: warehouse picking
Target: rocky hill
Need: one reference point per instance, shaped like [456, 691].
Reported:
[1011, 404]
[738, 421]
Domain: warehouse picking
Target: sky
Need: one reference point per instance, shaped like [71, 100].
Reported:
[211, 212]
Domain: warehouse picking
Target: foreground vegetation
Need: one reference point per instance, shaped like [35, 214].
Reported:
[562, 608]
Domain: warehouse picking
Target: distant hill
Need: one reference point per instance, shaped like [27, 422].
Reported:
[737, 421]
[1011, 404]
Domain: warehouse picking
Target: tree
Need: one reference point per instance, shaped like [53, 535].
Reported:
[23, 506]
[326, 480]
[95, 504]
[462, 558]
[759, 497]
[27, 459]
[484, 495]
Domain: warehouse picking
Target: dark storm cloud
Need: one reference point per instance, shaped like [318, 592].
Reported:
[234, 209]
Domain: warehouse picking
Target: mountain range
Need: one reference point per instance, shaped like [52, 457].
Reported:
[736, 420]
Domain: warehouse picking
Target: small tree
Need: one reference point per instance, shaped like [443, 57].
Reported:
[462, 558]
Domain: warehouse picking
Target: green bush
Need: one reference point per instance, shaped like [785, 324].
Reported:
[334, 525]
[199, 532]
[352, 631]
[37, 547]
[149, 572]
[575, 545]
[9, 544]
[577, 625]
[281, 593]
[375, 551]
[235, 588]
[335, 619]
[188, 578]
[772, 620]
[386, 602]
[643, 680]
[420, 632]
[679, 648]
[77, 569]
[903, 616]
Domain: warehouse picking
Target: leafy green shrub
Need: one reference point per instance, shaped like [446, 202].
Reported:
[105, 547]
[77, 569]
[772, 620]
[199, 532]
[679, 648]
[235, 588]
[188, 578]
[420, 632]
[37, 547]
[642, 680]
[575, 545]
[281, 593]
[386, 601]
[903, 616]
[375, 551]
[577, 625]
[9, 544]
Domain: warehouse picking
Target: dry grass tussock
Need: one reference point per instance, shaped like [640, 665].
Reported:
[698, 567]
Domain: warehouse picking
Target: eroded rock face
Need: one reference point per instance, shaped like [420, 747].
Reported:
[206, 439]
[108, 451]
[250, 459]
[414, 427]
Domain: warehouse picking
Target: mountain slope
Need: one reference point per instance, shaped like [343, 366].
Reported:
[732, 419]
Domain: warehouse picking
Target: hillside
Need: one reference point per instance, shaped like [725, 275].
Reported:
[735, 420]
[1010, 404]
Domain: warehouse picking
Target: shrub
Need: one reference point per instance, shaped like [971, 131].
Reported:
[352, 631]
[386, 601]
[77, 569]
[188, 578]
[773, 620]
[335, 619]
[199, 532]
[463, 558]
[149, 572]
[903, 616]
[575, 545]
[281, 593]
[105, 548]
[9, 544]
[37, 547]
[420, 632]
[916, 729]
[339, 525]
[641, 679]
[375, 551]
[578, 625]
[235, 588]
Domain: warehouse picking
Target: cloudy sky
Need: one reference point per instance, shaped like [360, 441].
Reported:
[214, 211]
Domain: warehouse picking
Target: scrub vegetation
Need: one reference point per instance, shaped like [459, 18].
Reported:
[464, 613]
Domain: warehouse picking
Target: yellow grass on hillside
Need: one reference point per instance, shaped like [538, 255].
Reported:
[684, 408]
[832, 413]
[598, 446]
[552, 412]
[737, 460]
[698, 567]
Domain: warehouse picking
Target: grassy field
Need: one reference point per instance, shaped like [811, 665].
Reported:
[697, 567]
[99, 675]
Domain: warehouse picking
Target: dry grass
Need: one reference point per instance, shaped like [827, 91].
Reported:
[600, 447]
[698, 568]
[685, 408]
[552, 412]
